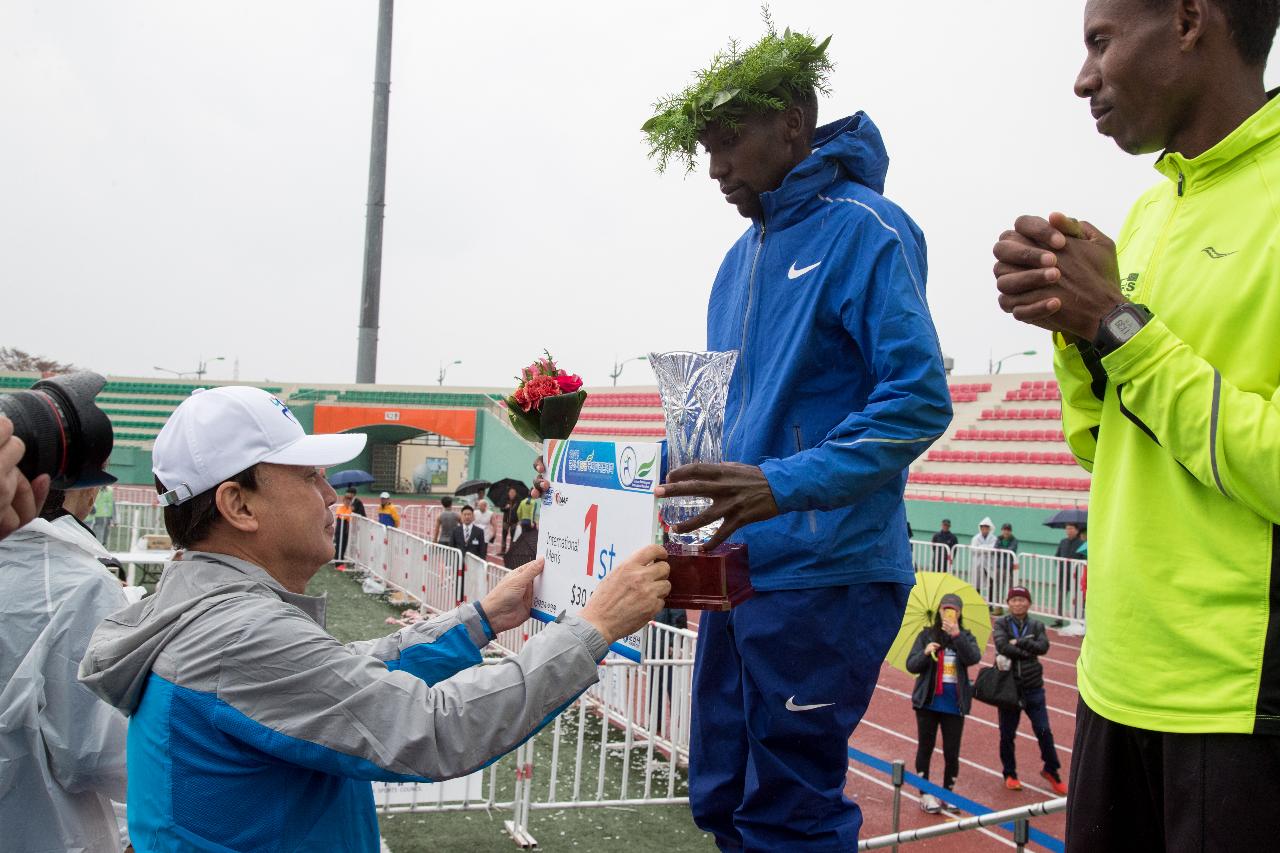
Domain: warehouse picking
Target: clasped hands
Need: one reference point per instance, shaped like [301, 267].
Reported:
[1059, 273]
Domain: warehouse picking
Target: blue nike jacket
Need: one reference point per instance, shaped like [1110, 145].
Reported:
[839, 383]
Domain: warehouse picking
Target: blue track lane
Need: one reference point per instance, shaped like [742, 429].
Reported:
[1044, 839]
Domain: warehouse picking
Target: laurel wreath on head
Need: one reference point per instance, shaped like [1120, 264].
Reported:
[763, 78]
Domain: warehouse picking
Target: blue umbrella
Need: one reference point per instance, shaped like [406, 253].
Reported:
[354, 477]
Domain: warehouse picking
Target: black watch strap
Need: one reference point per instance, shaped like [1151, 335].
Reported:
[1119, 326]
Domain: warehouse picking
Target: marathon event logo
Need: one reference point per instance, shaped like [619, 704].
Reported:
[632, 473]
[602, 464]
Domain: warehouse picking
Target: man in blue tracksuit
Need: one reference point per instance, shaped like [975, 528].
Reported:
[839, 385]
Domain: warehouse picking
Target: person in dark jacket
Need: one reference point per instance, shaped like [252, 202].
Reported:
[1022, 640]
[941, 559]
[940, 659]
[468, 537]
[1068, 549]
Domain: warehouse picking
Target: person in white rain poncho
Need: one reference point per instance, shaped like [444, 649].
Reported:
[62, 750]
[984, 560]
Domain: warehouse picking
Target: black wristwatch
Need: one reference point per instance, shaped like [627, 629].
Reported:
[1119, 326]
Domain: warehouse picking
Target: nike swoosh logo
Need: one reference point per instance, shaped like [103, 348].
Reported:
[791, 703]
[794, 273]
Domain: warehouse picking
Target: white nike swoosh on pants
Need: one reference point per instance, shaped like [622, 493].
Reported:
[792, 706]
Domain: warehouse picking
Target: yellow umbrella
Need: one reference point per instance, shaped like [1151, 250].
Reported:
[922, 606]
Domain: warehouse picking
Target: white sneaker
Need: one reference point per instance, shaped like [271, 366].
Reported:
[930, 804]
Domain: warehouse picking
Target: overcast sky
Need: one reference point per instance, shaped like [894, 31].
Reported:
[187, 179]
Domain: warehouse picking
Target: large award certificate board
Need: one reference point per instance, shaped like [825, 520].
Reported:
[600, 508]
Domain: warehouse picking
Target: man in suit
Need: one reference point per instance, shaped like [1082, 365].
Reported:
[467, 537]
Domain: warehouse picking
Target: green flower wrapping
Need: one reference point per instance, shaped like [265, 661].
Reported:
[765, 77]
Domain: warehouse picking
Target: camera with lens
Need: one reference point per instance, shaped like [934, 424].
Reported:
[66, 435]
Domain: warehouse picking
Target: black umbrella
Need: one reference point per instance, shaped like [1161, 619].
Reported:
[498, 491]
[1062, 518]
[472, 487]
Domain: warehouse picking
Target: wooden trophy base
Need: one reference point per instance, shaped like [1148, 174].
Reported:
[712, 580]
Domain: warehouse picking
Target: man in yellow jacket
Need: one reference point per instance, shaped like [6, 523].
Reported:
[1168, 354]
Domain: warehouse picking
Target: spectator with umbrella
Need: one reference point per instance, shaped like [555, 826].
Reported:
[936, 646]
[357, 505]
[351, 477]
[506, 495]
[1072, 522]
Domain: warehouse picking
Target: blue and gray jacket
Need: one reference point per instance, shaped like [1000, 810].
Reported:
[251, 728]
[839, 384]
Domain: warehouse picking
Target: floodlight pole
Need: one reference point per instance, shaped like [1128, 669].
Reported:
[370, 290]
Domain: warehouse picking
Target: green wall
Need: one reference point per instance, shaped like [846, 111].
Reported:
[131, 466]
[499, 452]
[1028, 524]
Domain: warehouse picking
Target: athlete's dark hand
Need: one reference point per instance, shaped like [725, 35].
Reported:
[740, 495]
[1060, 274]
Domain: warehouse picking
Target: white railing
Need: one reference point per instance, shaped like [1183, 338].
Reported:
[988, 570]
[426, 572]
[930, 556]
[131, 522]
[1055, 583]
[420, 520]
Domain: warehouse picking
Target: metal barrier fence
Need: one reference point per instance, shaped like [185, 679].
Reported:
[1056, 584]
[930, 556]
[420, 520]
[133, 521]
[428, 573]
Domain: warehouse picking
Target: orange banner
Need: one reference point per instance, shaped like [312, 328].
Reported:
[458, 424]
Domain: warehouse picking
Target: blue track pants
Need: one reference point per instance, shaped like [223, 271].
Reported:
[779, 684]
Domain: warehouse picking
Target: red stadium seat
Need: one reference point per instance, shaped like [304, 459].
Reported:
[1039, 383]
[988, 415]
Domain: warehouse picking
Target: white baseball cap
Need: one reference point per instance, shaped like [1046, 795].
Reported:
[216, 433]
[384, 495]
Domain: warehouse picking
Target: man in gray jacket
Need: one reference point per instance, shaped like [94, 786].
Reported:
[251, 727]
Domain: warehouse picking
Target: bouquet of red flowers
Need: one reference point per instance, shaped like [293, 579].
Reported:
[546, 402]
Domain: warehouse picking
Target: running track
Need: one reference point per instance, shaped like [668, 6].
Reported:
[888, 732]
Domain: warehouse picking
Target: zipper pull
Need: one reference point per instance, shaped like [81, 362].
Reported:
[1181, 183]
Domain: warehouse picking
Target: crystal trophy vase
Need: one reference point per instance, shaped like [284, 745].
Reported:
[693, 387]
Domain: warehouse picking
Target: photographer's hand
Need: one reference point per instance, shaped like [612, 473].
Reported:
[20, 499]
[740, 494]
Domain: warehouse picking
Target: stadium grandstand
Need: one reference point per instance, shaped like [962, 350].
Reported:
[1003, 455]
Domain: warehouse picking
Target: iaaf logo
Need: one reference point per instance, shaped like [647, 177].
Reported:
[560, 498]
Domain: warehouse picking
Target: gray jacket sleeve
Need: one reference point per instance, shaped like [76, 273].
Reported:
[429, 711]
